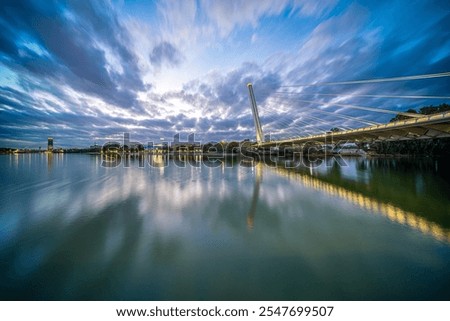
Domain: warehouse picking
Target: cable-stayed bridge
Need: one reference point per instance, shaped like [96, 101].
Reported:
[429, 126]
[412, 125]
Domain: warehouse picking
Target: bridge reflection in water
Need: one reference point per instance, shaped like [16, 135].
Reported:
[370, 204]
[222, 232]
[258, 179]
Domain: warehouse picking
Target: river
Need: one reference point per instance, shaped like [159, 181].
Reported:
[160, 229]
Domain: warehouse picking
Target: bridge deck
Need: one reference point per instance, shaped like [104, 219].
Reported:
[429, 126]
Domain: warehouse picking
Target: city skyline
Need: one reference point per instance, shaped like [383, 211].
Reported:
[90, 71]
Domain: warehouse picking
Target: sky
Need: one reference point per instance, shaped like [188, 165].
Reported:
[85, 72]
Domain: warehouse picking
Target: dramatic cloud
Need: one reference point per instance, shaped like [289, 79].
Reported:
[165, 53]
[87, 71]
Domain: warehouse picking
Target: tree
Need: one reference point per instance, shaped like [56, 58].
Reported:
[429, 147]
[429, 110]
[426, 110]
[403, 117]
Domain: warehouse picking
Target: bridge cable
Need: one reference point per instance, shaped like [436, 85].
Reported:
[378, 110]
[374, 80]
[367, 122]
[364, 95]
[325, 127]
[286, 122]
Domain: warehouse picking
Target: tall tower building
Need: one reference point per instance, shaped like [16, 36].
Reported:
[50, 144]
[259, 132]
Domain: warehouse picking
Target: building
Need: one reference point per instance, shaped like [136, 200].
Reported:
[50, 144]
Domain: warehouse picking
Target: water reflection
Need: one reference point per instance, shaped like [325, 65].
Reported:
[112, 160]
[159, 160]
[252, 211]
[84, 231]
[393, 213]
[370, 204]
[49, 161]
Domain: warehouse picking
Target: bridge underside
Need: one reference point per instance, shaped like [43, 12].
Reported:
[430, 126]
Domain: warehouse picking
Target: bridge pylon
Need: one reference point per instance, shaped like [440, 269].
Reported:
[259, 132]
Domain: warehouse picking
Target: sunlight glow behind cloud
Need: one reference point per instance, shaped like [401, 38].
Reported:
[85, 71]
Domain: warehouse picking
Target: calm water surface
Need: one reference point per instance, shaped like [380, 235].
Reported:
[71, 229]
